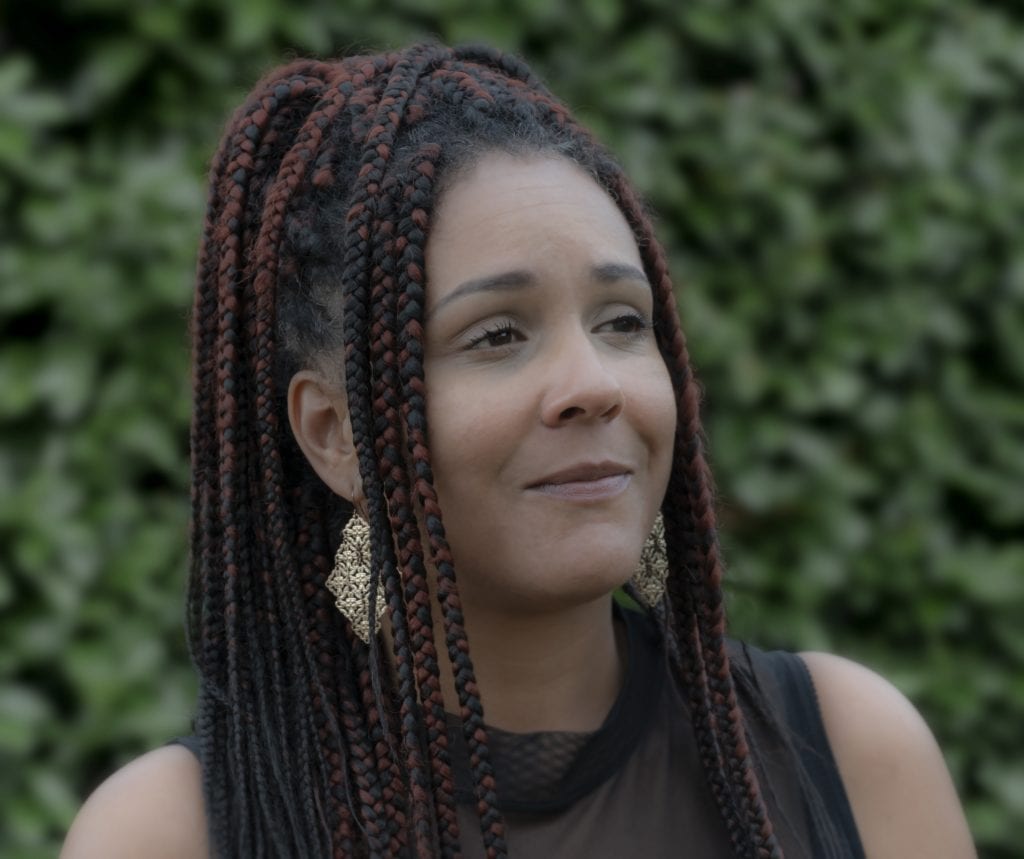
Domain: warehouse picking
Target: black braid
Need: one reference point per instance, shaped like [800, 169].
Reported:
[403, 520]
[411, 307]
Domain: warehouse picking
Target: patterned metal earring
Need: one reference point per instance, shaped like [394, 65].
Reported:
[349, 581]
[649, 578]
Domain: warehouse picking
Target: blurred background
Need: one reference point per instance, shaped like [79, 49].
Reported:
[841, 190]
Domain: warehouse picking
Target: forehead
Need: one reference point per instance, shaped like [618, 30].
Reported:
[511, 211]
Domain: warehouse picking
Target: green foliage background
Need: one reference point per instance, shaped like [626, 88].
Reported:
[841, 187]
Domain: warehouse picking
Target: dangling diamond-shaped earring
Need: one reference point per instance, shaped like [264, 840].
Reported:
[349, 581]
[651, 573]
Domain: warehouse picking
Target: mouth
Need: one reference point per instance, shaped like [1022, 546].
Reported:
[585, 481]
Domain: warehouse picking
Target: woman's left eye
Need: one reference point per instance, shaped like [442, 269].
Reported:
[628, 323]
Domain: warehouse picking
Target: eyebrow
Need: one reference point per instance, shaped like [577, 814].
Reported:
[611, 272]
[518, 279]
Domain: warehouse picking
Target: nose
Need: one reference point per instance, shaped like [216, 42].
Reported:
[580, 384]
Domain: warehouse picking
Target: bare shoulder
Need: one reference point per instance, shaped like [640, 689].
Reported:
[149, 809]
[902, 795]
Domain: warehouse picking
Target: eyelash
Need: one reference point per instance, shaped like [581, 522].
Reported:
[638, 324]
[489, 334]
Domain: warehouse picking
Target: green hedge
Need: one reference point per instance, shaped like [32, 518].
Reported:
[841, 188]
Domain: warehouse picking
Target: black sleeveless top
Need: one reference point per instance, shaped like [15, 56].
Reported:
[635, 787]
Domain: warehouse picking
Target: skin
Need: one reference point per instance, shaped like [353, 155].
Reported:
[528, 376]
[540, 357]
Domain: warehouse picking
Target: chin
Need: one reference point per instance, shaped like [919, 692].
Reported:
[554, 586]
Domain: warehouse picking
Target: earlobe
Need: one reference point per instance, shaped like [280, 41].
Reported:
[320, 421]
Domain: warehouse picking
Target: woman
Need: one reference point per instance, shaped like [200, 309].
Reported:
[431, 317]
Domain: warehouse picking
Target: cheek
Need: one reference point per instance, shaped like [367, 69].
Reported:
[654, 385]
[470, 436]
[668, 412]
[661, 418]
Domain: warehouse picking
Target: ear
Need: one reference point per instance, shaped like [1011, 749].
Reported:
[319, 417]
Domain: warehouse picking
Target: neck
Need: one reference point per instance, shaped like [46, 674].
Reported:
[556, 671]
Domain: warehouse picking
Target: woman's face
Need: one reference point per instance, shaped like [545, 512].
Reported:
[550, 411]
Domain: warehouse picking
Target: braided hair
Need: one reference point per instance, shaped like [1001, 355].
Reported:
[312, 255]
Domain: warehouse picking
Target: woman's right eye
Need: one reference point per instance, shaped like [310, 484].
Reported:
[494, 337]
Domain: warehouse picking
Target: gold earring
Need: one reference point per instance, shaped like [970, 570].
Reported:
[649, 578]
[349, 581]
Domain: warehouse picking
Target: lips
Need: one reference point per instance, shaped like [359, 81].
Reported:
[585, 472]
[585, 482]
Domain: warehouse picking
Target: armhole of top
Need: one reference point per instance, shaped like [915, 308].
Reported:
[810, 741]
[191, 743]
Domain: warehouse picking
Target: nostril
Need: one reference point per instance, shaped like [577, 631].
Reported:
[569, 413]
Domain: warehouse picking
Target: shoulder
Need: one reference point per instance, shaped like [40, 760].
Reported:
[149, 809]
[901, 793]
